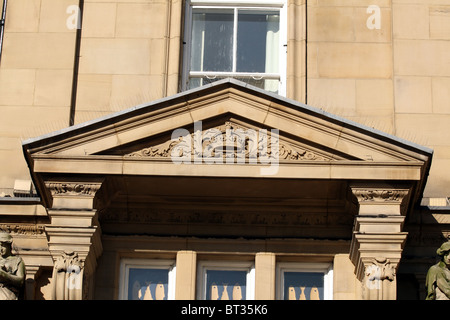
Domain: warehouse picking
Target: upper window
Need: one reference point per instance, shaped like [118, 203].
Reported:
[147, 279]
[240, 39]
[226, 280]
[299, 281]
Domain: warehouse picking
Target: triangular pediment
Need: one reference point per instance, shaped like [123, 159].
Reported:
[305, 132]
[223, 123]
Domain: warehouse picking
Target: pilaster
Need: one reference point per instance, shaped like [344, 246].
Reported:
[74, 237]
[186, 275]
[265, 269]
[378, 240]
[30, 281]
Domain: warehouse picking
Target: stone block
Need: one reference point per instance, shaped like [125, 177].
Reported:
[99, 20]
[363, 3]
[354, 60]
[426, 127]
[158, 56]
[441, 94]
[55, 14]
[22, 16]
[413, 95]
[330, 24]
[115, 56]
[421, 57]
[53, 87]
[17, 86]
[440, 22]
[411, 21]
[93, 92]
[142, 20]
[311, 60]
[374, 97]
[38, 50]
[333, 95]
[132, 90]
[362, 33]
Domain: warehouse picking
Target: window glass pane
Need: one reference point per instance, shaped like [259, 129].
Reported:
[148, 284]
[257, 41]
[212, 40]
[226, 285]
[303, 286]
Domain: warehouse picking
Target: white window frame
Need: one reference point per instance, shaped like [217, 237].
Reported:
[281, 5]
[204, 266]
[325, 268]
[127, 263]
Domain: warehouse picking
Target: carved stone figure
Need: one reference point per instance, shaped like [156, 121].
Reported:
[438, 276]
[12, 270]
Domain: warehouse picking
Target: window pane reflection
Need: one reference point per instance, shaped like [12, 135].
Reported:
[148, 284]
[257, 42]
[303, 286]
[212, 40]
[226, 285]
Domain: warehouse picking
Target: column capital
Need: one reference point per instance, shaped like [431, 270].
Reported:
[379, 195]
[73, 193]
[381, 199]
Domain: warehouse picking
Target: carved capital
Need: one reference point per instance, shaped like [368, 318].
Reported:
[379, 269]
[68, 276]
[73, 188]
[381, 200]
[75, 194]
[379, 279]
[382, 196]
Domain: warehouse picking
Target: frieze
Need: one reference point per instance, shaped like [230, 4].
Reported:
[219, 217]
[233, 141]
[21, 229]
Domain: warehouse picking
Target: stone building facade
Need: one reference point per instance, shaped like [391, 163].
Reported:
[200, 149]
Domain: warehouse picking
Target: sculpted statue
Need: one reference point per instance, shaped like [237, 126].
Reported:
[12, 270]
[438, 276]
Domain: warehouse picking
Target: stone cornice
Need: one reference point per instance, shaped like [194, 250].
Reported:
[118, 165]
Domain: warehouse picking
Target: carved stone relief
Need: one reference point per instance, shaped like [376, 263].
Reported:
[72, 189]
[379, 277]
[24, 229]
[233, 141]
[379, 195]
[68, 277]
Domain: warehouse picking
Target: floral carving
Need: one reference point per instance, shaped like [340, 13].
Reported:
[77, 189]
[233, 141]
[380, 195]
[23, 229]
